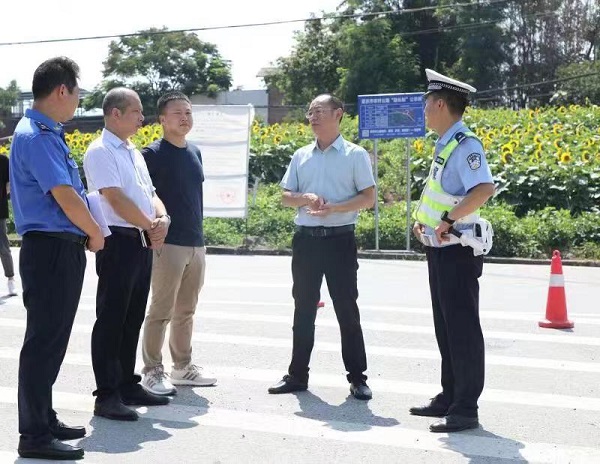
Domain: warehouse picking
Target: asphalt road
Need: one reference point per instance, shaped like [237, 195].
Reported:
[541, 402]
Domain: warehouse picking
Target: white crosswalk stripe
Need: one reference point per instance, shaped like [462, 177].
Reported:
[541, 402]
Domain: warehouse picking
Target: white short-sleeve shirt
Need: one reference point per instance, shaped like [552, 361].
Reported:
[112, 162]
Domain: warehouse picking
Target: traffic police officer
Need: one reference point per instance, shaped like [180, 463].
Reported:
[460, 182]
[52, 215]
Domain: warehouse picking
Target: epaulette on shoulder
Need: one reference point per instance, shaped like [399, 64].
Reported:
[42, 126]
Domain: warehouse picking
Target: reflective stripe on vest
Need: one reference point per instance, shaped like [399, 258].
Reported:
[434, 200]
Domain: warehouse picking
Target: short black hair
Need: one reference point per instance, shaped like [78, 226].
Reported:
[457, 102]
[53, 73]
[116, 98]
[162, 102]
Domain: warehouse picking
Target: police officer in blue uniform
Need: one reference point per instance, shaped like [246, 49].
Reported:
[460, 182]
[52, 216]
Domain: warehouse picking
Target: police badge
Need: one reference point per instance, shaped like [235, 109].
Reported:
[474, 160]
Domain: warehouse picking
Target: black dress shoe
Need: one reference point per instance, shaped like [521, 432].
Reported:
[140, 397]
[62, 431]
[454, 423]
[288, 384]
[361, 391]
[434, 409]
[113, 409]
[55, 450]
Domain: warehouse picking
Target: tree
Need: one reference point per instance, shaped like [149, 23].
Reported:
[584, 90]
[339, 57]
[156, 61]
[392, 68]
[9, 97]
[311, 68]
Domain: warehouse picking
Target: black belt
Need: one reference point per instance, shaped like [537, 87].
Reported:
[76, 238]
[128, 231]
[321, 231]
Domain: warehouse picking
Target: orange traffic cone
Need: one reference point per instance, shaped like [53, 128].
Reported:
[556, 308]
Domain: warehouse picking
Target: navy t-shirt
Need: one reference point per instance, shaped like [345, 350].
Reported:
[177, 175]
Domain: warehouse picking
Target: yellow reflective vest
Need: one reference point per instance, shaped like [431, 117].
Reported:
[434, 201]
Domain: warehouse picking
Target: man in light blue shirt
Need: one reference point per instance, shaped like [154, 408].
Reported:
[328, 182]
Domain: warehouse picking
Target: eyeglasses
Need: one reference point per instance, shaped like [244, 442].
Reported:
[316, 113]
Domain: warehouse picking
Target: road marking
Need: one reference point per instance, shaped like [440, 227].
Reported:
[294, 425]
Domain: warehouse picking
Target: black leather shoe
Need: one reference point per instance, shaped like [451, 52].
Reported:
[288, 385]
[435, 408]
[361, 391]
[140, 397]
[62, 431]
[454, 423]
[55, 450]
[113, 409]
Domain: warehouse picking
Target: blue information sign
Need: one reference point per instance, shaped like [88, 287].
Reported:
[391, 116]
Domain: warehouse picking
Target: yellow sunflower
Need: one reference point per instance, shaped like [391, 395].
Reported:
[537, 138]
[565, 157]
[586, 157]
[557, 129]
[505, 158]
[557, 143]
[277, 139]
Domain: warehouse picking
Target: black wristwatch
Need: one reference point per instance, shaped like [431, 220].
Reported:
[445, 218]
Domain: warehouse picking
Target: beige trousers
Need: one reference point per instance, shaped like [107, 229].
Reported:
[177, 278]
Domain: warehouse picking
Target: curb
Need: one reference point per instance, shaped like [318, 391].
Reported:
[394, 255]
[398, 255]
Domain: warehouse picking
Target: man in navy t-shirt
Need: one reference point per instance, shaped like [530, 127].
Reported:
[175, 167]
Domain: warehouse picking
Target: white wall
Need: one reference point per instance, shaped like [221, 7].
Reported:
[257, 98]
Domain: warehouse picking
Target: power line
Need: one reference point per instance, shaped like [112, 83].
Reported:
[536, 84]
[261, 24]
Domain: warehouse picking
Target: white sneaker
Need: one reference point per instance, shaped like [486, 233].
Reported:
[12, 287]
[155, 381]
[191, 375]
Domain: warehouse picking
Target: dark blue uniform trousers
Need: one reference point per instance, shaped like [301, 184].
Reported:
[52, 271]
[454, 285]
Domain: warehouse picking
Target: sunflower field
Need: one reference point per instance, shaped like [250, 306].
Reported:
[546, 164]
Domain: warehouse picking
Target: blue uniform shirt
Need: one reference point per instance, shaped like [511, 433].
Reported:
[465, 168]
[39, 161]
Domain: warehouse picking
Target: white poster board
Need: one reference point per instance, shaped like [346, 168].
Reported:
[222, 132]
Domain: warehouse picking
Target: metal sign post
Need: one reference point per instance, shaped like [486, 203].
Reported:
[376, 196]
[390, 116]
[408, 190]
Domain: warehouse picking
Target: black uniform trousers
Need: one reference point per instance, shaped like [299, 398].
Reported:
[52, 271]
[335, 258]
[124, 269]
[453, 281]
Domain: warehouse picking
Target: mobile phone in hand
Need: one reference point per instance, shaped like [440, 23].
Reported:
[146, 242]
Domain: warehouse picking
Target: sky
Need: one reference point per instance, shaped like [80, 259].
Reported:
[248, 49]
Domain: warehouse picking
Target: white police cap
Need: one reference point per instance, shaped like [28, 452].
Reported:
[438, 81]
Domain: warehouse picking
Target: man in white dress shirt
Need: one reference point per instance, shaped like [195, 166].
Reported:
[139, 223]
